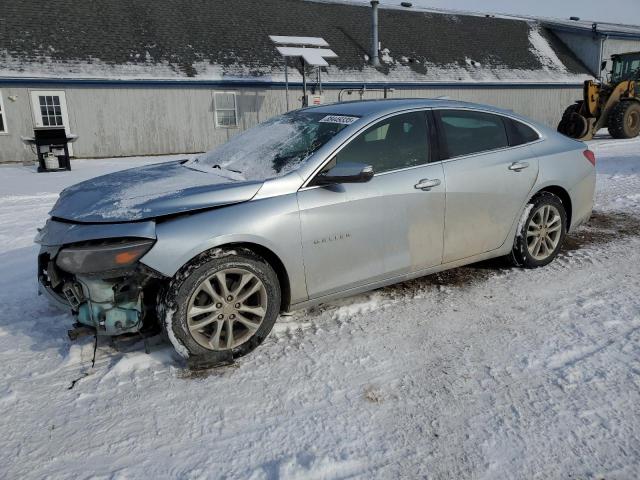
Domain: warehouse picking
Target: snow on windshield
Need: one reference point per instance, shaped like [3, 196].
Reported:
[277, 146]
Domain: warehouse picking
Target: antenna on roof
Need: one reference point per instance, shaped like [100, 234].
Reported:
[310, 51]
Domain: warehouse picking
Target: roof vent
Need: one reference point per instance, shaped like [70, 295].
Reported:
[575, 19]
[375, 45]
[406, 4]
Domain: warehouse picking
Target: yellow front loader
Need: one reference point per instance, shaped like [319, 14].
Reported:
[614, 104]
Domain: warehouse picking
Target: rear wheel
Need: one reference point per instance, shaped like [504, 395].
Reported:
[624, 120]
[541, 233]
[221, 308]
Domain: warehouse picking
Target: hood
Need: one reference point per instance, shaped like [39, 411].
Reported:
[151, 191]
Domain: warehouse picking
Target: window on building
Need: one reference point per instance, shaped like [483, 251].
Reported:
[3, 122]
[226, 109]
[394, 143]
[466, 132]
[50, 110]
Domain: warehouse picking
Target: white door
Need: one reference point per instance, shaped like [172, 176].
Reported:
[49, 109]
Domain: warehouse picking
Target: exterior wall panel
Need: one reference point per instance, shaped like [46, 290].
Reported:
[585, 46]
[119, 121]
[19, 123]
[617, 45]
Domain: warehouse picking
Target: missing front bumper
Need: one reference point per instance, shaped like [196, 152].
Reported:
[112, 307]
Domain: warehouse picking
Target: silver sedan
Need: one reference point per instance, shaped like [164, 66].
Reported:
[309, 206]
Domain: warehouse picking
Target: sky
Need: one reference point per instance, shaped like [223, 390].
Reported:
[616, 11]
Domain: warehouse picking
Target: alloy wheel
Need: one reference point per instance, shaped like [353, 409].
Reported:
[226, 309]
[544, 232]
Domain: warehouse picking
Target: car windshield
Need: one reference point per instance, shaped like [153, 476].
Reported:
[275, 147]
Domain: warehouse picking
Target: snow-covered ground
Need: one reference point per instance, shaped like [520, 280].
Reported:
[481, 372]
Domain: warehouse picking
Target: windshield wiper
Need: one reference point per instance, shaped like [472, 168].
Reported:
[230, 169]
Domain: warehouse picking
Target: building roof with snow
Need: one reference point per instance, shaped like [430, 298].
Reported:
[611, 30]
[199, 40]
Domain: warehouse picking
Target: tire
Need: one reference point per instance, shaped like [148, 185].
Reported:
[573, 124]
[571, 109]
[526, 252]
[624, 120]
[188, 293]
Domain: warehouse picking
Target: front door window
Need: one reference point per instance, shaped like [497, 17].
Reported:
[392, 144]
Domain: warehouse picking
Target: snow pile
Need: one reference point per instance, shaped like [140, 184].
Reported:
[137, 362]
[472, 63]
[479, 372]
[46, 67]
[385, 56]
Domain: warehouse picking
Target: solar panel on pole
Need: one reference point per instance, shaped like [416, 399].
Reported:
[310, 52]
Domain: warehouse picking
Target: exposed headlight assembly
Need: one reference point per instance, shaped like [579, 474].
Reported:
[96, 258]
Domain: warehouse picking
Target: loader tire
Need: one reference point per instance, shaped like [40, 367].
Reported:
[624, 120]
[573, 124]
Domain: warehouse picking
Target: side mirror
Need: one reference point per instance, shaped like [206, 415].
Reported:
[603, 65]
[347, 172]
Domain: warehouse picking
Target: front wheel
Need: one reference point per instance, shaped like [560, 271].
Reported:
[221, 306]
[542, 232]
[624, 120]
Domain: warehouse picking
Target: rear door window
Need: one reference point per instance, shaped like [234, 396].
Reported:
[394, 143]
[464, 132]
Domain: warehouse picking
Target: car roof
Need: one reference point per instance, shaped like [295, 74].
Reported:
[366, 108]
[371, 109]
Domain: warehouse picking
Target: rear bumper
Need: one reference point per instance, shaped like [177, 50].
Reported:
[582, 199]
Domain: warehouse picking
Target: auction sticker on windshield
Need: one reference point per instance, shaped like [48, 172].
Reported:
[341, 119]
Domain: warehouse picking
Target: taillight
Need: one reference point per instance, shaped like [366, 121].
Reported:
[589, 155]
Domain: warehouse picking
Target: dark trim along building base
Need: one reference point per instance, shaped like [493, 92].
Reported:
[94, 82]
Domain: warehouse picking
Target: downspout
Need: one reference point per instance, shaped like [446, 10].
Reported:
[602, 38]
[602, 42]
[375, 60]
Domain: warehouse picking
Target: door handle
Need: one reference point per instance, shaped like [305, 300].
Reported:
[517, 166]
[426, 184]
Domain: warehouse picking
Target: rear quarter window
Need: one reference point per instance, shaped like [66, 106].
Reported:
[519, 133]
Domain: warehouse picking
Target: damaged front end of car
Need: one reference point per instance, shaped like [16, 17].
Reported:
[100, 280]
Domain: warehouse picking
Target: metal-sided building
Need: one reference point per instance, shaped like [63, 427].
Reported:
[175, 76]
[594, 42]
